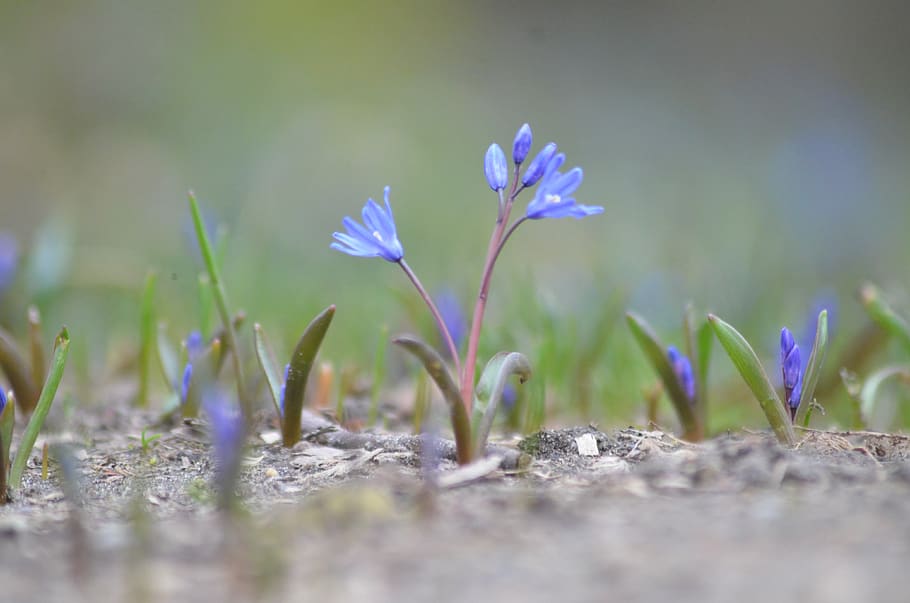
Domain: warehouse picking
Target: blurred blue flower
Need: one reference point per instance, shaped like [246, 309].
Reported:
[284, 386]
[9, 260]
[452, 315]
[791, 369]
[227, 436]
[377, 239]
[509, 397]
[195, 345]
[824, 300]
[538, 166]
[522, 144]
[552, 199]
[495, 168]
[3, 400]
[682, 367]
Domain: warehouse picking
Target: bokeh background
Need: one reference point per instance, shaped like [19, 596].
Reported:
[752, 158]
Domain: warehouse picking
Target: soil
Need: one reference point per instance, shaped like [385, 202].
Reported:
[636, 516]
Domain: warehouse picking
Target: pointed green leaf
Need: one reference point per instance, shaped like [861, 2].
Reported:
[869, 393]
[656, 352]
[7, 422]
[167, 360]
[61, 347]
[883, 315]
[488, 393]
[298, 373]
[18, 373]
[269, 366]
[146, 338]
[436, 368]
[220, 295]
[747, 363]
[813, 369]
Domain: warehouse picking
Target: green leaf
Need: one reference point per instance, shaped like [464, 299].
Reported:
[298, 373]
[656, 352]
[883, 315]
[7, 422]
[18, 373]
[436, 368]
[488, 393]
[146, 338]
[61, 347]
[230, 335]
[813, 369]
[869, 393]
[167, 360]
[747, 363]
[269, 367]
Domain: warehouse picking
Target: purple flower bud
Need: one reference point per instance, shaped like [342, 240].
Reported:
[3, 400]
[791, 369]
[522, 144]
[227, 438]
[495, 168]
[538, 166]
[682, 367]
[194, 344]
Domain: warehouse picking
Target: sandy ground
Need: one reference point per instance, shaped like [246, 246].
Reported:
[641, 517]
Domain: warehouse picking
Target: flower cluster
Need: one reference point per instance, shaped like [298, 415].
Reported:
[791, 369]
[682, 367]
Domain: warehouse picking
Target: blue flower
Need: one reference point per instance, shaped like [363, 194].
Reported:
[522, 144]
[9, 259]
[553, 200]
[195, 345]
[791, 369]
[377, 239]
[495, 168]
[682, 367]
[227, 437]
[3, 400]
[535, 171]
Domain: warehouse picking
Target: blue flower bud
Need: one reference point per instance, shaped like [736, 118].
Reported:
[791, 369]
[3, 400]
[682, 367]
[538, 165]
[9, 259]
[284, 386]
[495, 168]
[195, 344]
[522, 144]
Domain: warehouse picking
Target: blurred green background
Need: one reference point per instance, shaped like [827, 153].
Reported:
[750, 156]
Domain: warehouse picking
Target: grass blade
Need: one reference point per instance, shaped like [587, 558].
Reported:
[61, 347]
[146, 338]
[883, 315]
[656, 352]
[298, 373]
[747, 363]
[269, 367]
[220, 295]
[7, 422]
[436, 368]
[18, 372]
[488, 393]
[813, 369]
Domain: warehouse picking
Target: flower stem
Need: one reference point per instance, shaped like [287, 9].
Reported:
[496, 242]
[450, 343]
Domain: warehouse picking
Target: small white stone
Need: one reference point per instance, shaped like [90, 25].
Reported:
[270, 437]
[587, 445]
